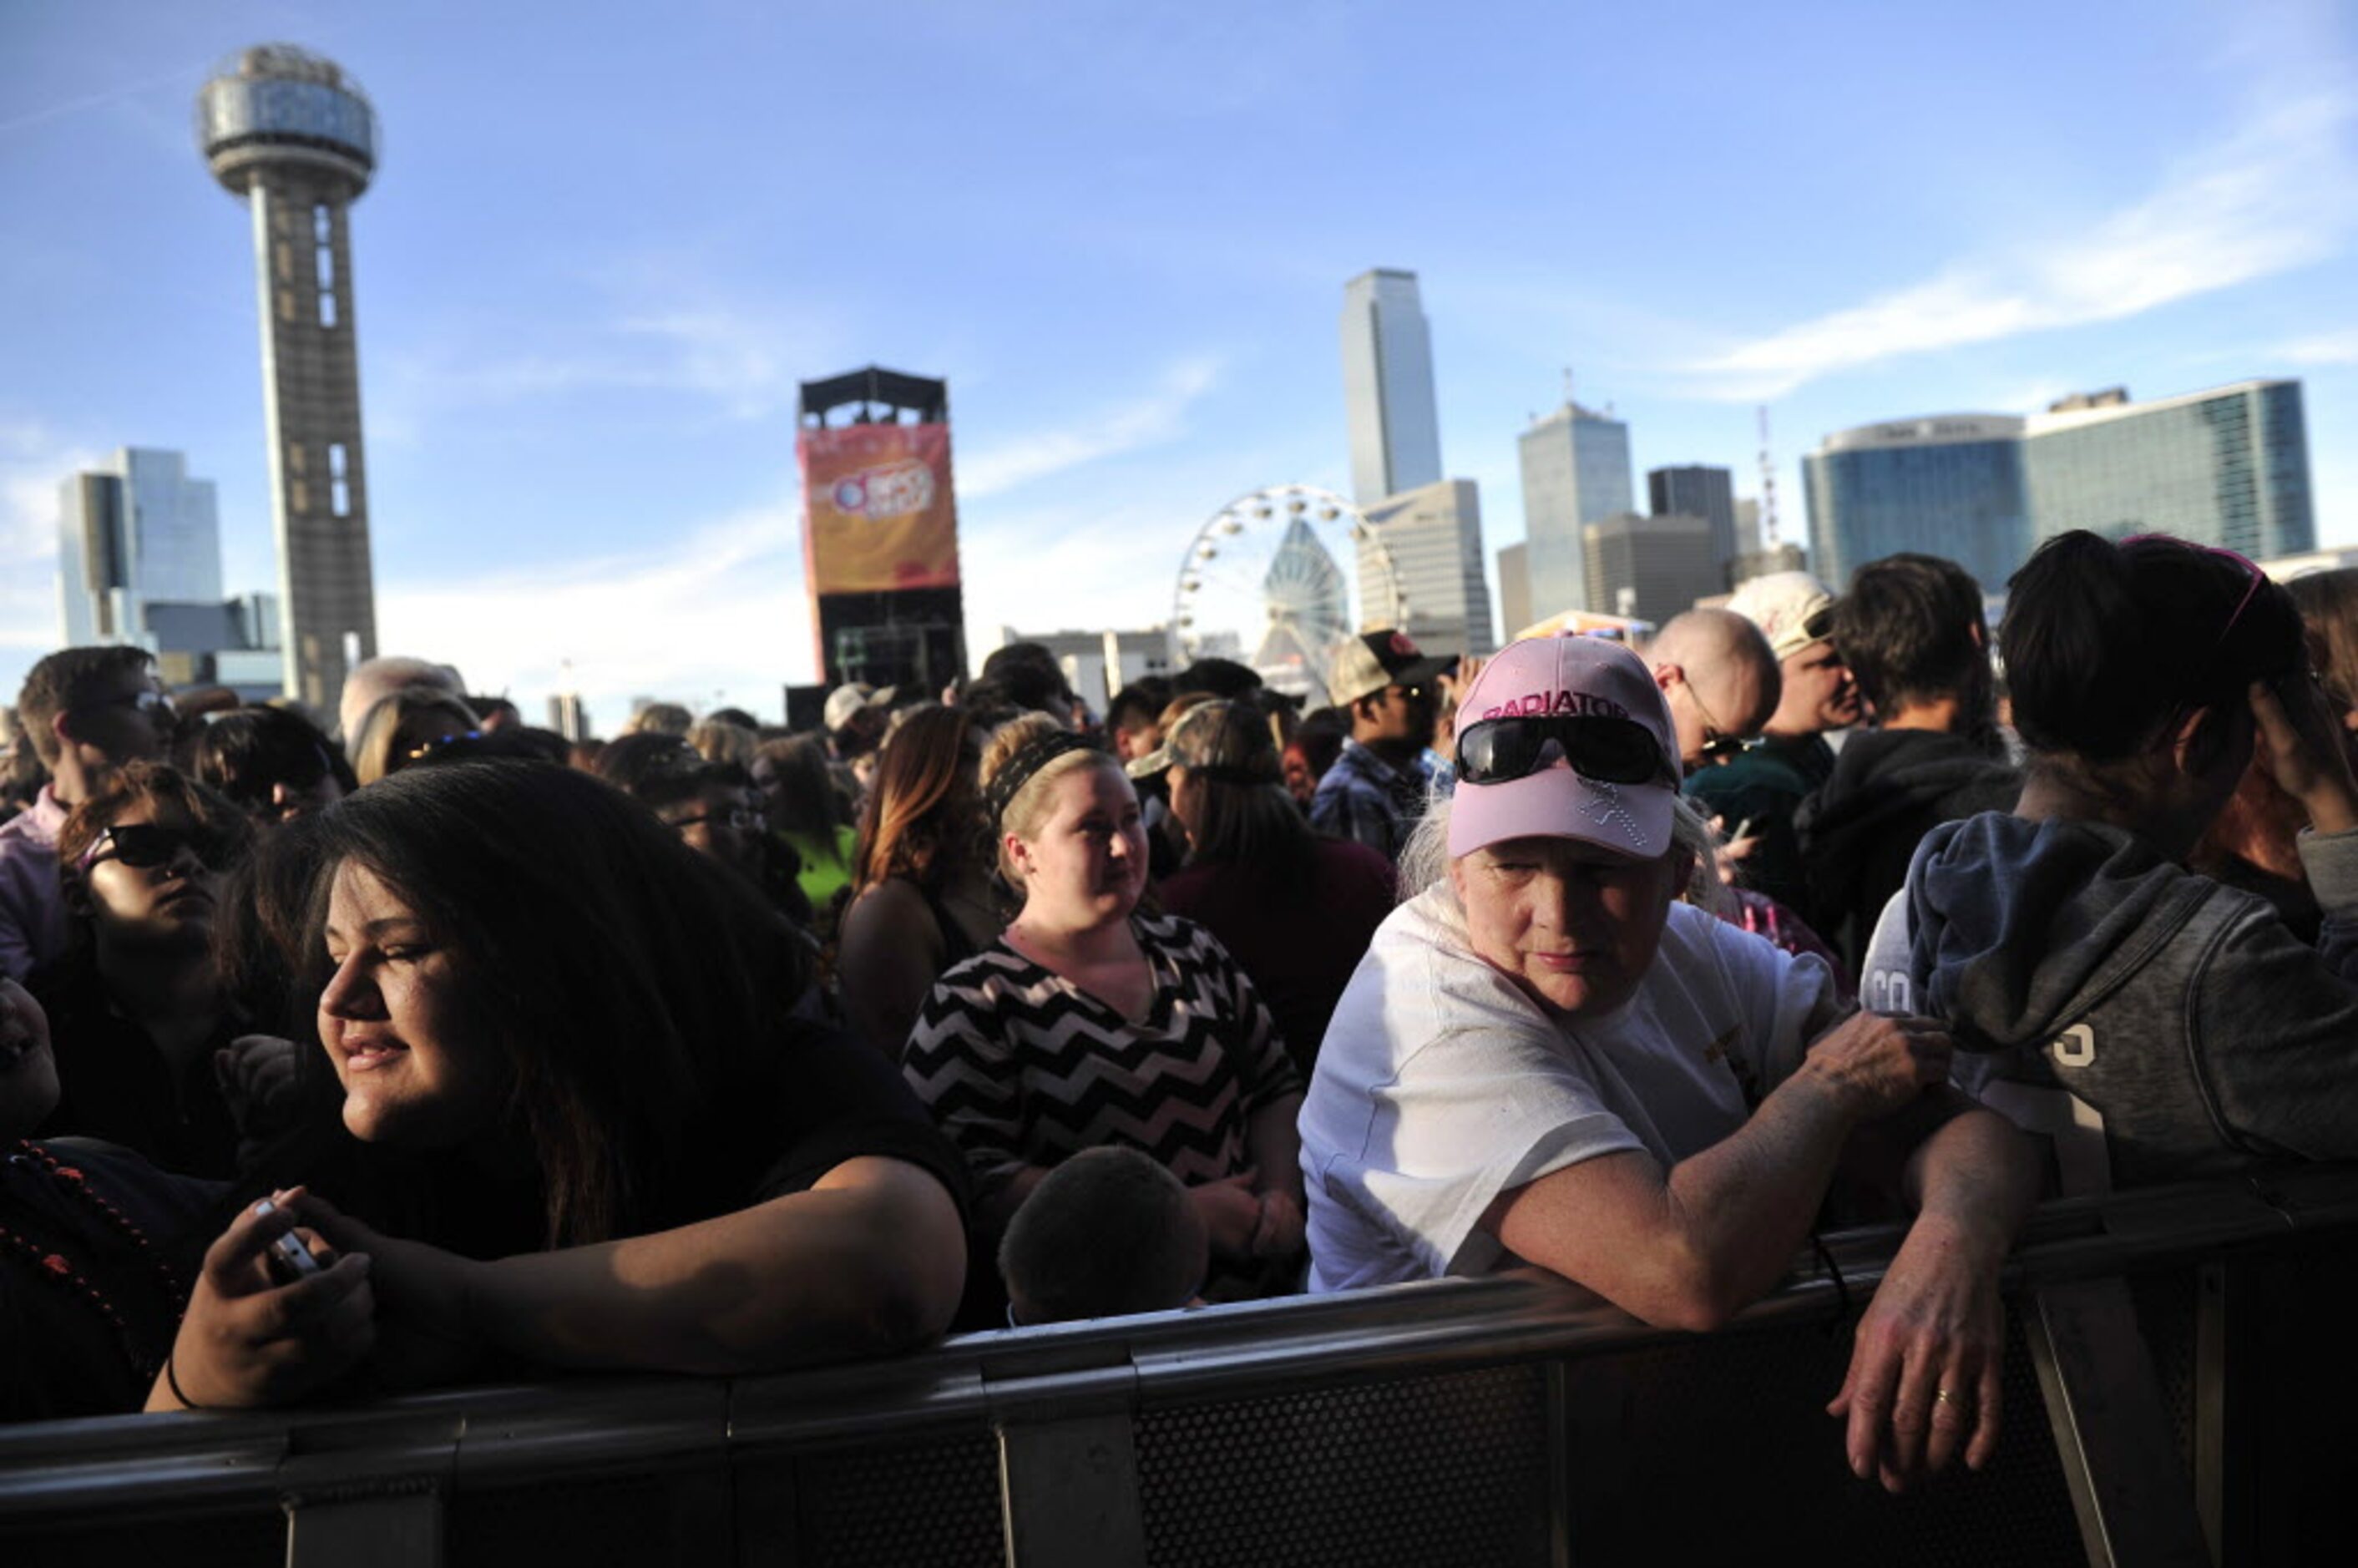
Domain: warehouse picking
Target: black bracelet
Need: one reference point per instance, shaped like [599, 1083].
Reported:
[172, 1381]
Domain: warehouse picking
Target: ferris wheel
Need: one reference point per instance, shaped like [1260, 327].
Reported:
[1261, 583]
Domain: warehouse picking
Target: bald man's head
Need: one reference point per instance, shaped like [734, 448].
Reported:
[1719, 676]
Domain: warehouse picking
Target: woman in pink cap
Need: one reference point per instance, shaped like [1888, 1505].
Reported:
[1548, 1059]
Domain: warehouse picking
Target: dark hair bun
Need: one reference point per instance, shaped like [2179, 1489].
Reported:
[2105, 642]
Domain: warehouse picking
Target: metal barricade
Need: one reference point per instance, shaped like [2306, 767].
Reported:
[2160, 1334]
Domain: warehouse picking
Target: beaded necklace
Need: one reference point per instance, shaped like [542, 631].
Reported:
[60, 1271]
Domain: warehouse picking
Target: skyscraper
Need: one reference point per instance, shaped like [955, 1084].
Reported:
[1514, 590]
[1649, 567]
[1949, 486]
[1575, 472]
[139, 564]
[1694, 490]
[2227, 466]
[1433, 539]
[291, 133]
[131, 533]
[1388, 386]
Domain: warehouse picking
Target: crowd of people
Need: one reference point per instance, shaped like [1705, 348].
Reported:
[431, 1047]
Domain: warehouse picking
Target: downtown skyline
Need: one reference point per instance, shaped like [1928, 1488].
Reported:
[595, 265]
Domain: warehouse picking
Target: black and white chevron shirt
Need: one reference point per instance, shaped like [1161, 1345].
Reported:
[1022, 1067]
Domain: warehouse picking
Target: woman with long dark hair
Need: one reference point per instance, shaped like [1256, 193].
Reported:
[2158, 1024]
[1295, 908]
[2255, 843]
[562, 1066]
[272, 761]
[921, 894]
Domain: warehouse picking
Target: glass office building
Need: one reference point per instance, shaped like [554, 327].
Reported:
[1433, 539]
[134, 532]
[1388, 394]
[2227, 466]
[1697, 489]
[1575, 472]
[1947, 486]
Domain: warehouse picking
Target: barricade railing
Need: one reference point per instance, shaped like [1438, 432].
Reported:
[2171, 1369]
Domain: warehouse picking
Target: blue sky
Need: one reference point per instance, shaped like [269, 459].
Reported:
[606, 241]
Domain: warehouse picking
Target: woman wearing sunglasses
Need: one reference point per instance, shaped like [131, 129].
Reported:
[271, 761]
[135, 1010]
[2158, 1024]
[1547, 1059]
[409, 727]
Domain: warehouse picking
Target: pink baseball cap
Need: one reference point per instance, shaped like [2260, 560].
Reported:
[1563, 677]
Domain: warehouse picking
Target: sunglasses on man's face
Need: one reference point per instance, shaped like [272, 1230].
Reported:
[1720, 748]
[1614, 751]
[152, 704]
[143, 846]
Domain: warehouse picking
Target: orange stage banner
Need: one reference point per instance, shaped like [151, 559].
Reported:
[877, 509]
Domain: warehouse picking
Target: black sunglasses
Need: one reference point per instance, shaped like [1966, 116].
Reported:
[1616, 750]
[143, 846]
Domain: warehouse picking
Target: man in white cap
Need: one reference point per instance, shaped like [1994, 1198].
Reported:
[1756, 794]
[854, 717]
[1376, 789]
[1548, 1060]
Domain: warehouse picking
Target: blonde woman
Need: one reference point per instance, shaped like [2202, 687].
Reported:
[1089, 1023]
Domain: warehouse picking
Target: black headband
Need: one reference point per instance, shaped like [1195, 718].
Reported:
[1024, 766]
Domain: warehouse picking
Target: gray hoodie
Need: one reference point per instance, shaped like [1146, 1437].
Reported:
[2159, 1025]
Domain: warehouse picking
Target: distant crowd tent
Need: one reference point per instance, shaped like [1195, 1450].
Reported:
[1587, 623]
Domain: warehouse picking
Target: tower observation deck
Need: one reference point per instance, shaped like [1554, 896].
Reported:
[295, 135]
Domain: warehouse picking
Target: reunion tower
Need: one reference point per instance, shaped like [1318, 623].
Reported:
[295, 135]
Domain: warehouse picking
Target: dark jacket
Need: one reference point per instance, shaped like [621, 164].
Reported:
[2095, 988]
[1859, 831]
[1765, 787]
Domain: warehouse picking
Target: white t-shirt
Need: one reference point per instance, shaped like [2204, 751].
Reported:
[1440, 1085]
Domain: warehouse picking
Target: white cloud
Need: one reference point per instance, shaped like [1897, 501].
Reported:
[2326, 349]
[715, 616]
[2279, 192]
[33, 460]
[1160, 416]
[731, 354]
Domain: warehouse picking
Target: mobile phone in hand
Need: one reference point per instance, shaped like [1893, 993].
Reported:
[289, 1260]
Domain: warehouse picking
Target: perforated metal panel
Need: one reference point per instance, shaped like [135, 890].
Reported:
[1427, 1471]
[214, 1542]
[934, 1506]
[675, 1518]
[2296, 1380]
[1724, 1452]
[2165, 1315]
